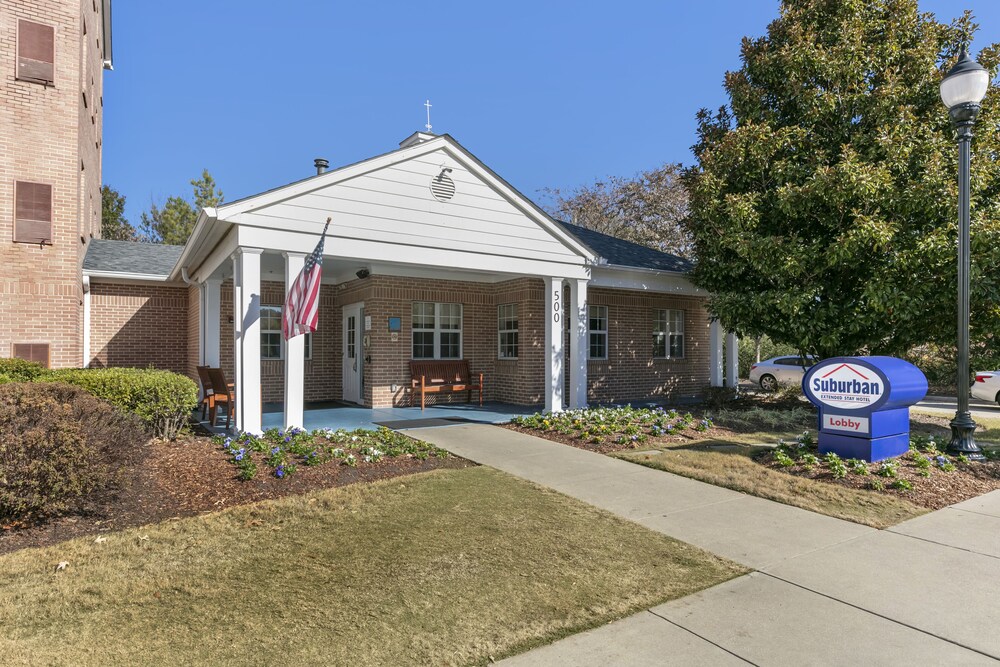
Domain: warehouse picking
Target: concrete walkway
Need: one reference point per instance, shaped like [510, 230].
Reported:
[825, 591]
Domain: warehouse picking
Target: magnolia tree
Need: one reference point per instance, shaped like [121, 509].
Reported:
[646, 209]
[824, 200]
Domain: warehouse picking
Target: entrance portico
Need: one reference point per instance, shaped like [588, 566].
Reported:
[430, 255]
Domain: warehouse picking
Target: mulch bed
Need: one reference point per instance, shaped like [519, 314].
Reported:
[609, 446]
[192, 476]
[939, 490]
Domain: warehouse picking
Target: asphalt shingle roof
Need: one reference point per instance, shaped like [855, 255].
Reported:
[150, 259]
[626, 253]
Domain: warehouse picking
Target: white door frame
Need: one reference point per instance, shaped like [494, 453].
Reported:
[353, 366]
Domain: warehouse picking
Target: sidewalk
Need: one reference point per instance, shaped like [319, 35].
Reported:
[826, 591]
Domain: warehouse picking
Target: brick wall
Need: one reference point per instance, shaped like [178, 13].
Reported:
[322, 371]
[629, 373]
[193, 332]
[47, 135]
[139, 326]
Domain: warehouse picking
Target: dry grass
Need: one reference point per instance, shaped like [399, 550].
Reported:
[735, 470]
[936, 423]
[448, 567]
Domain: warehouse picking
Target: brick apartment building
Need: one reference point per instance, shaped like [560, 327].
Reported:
[52, 58]
[430, 255]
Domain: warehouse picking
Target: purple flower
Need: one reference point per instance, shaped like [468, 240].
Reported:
[288, 438]
[239, 456]
[275, 451]
[634, 438]
[279, 472]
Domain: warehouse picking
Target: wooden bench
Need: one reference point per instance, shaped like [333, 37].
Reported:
[439, 375]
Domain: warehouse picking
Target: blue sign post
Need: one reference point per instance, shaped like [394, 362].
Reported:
[864, 405]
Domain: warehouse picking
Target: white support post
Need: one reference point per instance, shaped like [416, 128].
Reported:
[715, 353]
[211, 311]
[578, 348]
[85, 361]
[732, 360]
[246, 315]
[295, 352]
[554, 361]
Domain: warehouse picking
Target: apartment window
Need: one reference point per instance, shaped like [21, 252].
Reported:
[668, 334]
[437, 330]
[272, 342]
[597, 332]
[37, 352]
[507, 331]
[32, 212]
[36, 52]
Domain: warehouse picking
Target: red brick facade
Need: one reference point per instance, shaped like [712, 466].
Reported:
[158, 325]
[52, 135]
[141, 326]
[629, 373]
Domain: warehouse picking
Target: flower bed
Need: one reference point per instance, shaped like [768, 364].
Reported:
[925, 475]
[282, 452]
[615, 429]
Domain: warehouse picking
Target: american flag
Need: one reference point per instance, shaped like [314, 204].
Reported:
[301, 312]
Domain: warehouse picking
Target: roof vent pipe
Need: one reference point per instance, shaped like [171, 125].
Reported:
[321, 164]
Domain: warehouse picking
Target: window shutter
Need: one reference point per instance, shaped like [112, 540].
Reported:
[36, 52]
[32, 213]
[37, 352]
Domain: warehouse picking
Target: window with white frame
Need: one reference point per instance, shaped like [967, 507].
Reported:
[437, 330]
[507, 331]
[668, 334]
[272, 343]
[597, 331]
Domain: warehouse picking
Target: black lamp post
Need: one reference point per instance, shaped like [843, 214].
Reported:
[962, 89]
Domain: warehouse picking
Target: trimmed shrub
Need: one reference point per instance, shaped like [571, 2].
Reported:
[161, 399]
[19, 370]
[61, 449]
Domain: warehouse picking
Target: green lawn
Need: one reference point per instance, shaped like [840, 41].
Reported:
[448, 567]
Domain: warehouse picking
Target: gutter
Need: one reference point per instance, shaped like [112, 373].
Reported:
[199, 225]
[124, 275]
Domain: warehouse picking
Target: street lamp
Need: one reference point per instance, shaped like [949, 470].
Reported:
[962, 89]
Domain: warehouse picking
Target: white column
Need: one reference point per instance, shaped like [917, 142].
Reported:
[295, 352]
[85, 362]
[246, 315]
[578, 348]
[211, 312]
[715, 354]
[732, 360]
[554, 362]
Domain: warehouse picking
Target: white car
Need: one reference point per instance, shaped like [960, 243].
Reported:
[987, 386]
[780, 370]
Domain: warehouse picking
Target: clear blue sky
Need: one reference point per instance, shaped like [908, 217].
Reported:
[548, 94]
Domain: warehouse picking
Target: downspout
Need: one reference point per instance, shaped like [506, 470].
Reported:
[85, 362]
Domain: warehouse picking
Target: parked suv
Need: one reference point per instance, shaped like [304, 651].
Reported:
[780, 370]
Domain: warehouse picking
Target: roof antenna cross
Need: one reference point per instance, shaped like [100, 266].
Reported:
[428, 105]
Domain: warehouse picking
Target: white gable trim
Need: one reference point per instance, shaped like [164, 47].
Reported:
[233, 212]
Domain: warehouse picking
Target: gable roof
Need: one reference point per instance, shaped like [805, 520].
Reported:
[129, 257]
[619, 252]
[406, 151]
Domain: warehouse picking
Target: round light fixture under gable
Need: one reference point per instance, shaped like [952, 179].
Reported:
[442, 187]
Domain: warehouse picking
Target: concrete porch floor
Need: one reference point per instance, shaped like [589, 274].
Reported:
[335, 415]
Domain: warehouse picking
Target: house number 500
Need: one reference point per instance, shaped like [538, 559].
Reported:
[556, 305]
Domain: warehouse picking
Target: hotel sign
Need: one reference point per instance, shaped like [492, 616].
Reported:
[864, 404]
